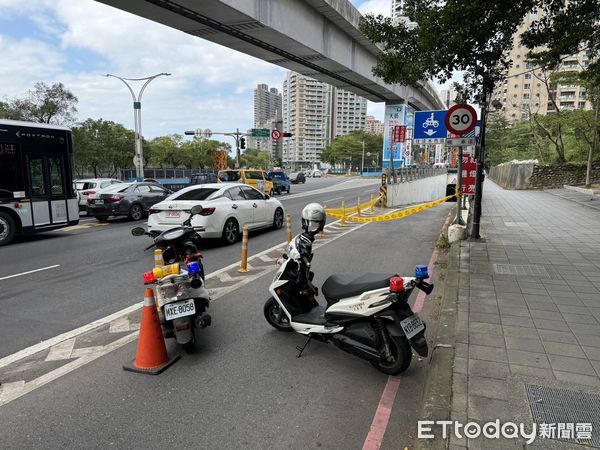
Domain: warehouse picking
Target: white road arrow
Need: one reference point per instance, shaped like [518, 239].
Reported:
[430, 132]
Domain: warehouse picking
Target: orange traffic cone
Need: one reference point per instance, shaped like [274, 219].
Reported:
[151, 356]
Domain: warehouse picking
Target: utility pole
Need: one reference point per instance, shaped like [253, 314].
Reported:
[362, 164]
[479, 172]
[137, 118]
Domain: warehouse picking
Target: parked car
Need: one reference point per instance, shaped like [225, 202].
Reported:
[125, 199]
[297, 177]
[317, 174]
[281, 182]
[254, 177]
[203, 178]
[91, 186]
[226, 209]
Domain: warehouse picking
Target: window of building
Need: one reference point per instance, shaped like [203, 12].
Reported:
[581, 105]
[528, 76]
[525, 96]
[526, 86]
[524, 115]
[516, 86]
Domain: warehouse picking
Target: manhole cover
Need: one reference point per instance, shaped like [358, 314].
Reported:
[525, 270]
[553, 406]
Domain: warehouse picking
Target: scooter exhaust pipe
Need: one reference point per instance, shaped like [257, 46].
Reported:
[357, 348]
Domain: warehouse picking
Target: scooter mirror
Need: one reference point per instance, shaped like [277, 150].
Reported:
[197, 209]
[138, 231]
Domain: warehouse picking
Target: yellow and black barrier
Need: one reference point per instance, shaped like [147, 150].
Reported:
[344, 211]
[384, 217]
[383, 195]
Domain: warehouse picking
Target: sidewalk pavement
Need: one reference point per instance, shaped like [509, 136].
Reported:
[528, 324]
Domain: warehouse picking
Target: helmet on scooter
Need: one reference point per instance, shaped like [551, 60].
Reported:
[313, 218]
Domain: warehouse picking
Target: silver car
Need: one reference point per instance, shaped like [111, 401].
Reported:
[90, 186]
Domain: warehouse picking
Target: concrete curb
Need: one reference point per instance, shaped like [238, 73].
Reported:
[587, 205]
[437, 395]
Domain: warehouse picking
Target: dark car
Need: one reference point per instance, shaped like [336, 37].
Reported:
[281, 182]
[203, 178]
[126, 199]
[297, 177]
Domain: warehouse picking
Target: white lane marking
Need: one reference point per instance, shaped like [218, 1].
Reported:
[120, 325]
[14, 392]
[333, 188]
[332, 199]
[266, 258]
[61, 351]
[29, 271]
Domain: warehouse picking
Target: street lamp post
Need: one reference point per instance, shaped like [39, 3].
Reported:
[362, 164]
[137, 117]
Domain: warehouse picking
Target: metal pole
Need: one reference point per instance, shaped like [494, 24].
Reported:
[362, 164]
[479, 172]
[458, 220]
[237, 149]
[137, 118]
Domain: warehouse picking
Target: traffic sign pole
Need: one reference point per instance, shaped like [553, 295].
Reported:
[477, 198]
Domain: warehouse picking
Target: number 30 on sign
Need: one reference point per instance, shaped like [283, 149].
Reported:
[461, 119]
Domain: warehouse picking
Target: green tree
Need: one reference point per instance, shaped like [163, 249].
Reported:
[44, 103]
[256, 159]
[348, 149]
[103, 146]
[165, 151]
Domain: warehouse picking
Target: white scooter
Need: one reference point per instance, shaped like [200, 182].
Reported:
[368, 316]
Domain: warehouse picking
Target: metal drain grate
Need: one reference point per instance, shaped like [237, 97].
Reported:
[554, 406]
[525, 270]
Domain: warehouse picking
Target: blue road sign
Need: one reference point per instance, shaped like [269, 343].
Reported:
[430, 127]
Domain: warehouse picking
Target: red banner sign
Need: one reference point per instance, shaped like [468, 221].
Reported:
[469, 167]
[399, 135]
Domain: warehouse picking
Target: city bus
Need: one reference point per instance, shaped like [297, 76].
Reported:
[36, 179]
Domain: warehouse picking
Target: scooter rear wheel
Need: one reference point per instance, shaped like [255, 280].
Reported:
[402, 354]
[276, 316]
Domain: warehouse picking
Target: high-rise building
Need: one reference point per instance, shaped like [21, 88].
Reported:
[267, 104]
[449, 96]
[374, 126]
[349, 112]
[306, 114]
[397, 10]
[524, 91]
[267, 114]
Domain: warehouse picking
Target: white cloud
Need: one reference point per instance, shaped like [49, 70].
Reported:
[383, 7]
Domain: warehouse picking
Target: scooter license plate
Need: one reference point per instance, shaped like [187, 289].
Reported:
[180, 309]
[412, 325]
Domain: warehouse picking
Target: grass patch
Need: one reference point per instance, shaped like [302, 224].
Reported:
[443, 241]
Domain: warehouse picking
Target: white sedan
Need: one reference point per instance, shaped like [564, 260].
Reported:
[226, 208]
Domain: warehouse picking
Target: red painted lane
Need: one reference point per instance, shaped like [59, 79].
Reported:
[386, 402]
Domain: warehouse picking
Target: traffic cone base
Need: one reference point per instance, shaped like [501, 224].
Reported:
[151, 356]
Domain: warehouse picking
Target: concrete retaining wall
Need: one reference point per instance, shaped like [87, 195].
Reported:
[512, 176]
[533, 176]
[417, 191]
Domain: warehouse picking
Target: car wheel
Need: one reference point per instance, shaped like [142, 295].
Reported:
[136, 212]
[288, 190]
[271, 193]
[101, 218]
[278, 191]
[7, 228]
[278, 219]
[231, 231]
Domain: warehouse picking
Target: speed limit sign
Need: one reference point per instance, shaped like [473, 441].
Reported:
[460, 119]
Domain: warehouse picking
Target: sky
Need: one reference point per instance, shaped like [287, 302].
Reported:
[77, 42]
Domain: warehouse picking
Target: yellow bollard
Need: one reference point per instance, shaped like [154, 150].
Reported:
[358, 206]
[288, 222]
[244, 263]
[372, 209]
[158, 258]
[343, 219]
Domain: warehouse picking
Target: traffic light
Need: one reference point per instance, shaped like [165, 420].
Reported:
[243, 143]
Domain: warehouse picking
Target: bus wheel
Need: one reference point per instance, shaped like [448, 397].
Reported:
[7, 228]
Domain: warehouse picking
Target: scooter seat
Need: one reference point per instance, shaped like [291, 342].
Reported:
[315, 316]
[337, 287]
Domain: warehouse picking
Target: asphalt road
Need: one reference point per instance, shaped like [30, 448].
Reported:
[100, 267]
[244, 387]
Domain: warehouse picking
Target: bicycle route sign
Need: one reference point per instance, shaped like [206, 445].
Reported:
[430, 127]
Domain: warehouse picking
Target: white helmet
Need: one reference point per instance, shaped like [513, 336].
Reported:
[313, 218]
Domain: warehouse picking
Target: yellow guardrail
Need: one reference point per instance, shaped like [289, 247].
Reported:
[343, 214]
[344, 211]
